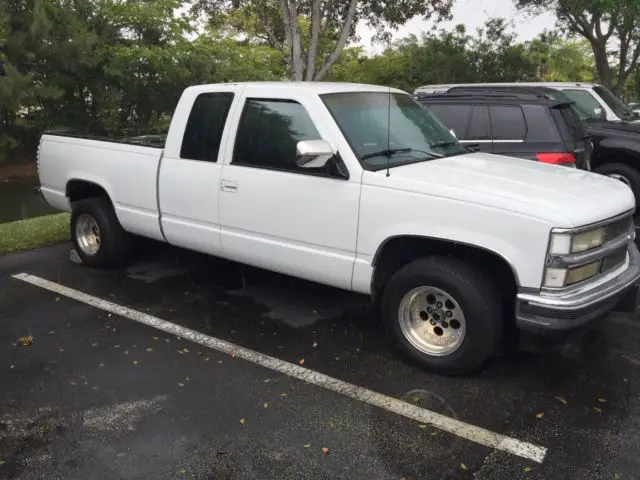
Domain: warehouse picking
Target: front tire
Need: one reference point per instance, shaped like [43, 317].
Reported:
[97, 235]
[443, 314]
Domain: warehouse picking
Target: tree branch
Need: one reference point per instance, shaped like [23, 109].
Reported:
[342, 41]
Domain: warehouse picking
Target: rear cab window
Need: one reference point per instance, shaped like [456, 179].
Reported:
[202, 135]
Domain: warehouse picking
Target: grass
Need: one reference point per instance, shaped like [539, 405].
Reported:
[34, 232]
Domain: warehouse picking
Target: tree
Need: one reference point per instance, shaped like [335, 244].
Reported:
[300, 26]
[558, 59]
[601, 23]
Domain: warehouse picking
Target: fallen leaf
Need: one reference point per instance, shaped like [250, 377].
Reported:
[101, 364]
[315, 344]
[331, 424]
[307, 445]
[73, 383]
[266, 405]
[561, 400]
[199, 354]
[206, 359]
[12, 367]
[266, 380]
[182, 471]
[126, 352]
[61, 349]
[94, 344]
[422, 426]
[242, 421]
[434, 433]
[180, 352]
[283, 394]
[149, 350]
[219, 361]
[602, 400]
[527, 469]
[26, 341]
[187, 379]
[301, 362]
[336, 359]
[135, 362]
[180, 384]
[167, 340]
[185, 350]
[51, 332]
[539, 415]
[95, 388]
[109, 315]
[155, 338]
[625, 380]
[325, 451]
[116, 346]
[57, 299]
[463, 466]
[134, 346]
[121, 454]
[597, 410]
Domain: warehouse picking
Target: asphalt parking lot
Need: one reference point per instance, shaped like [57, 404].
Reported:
[102, 395]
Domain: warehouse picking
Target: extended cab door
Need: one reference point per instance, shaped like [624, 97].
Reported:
[189, 173]
[274, 214]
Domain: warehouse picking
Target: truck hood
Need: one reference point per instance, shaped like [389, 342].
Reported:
[564, 196]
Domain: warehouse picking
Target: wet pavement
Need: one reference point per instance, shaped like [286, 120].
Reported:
[98, 396]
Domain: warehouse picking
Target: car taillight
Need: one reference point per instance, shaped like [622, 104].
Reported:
[557, 158]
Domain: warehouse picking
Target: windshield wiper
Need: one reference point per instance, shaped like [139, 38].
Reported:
[443, 144]
[392, 151]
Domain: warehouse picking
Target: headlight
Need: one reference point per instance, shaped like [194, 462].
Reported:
[563, 277]
[566, 243]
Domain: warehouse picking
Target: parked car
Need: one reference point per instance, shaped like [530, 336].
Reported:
[360, 188]
[616, 145]
[516, 123]
[595, 101]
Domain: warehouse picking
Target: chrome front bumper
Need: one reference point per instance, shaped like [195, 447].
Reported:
[539, 312]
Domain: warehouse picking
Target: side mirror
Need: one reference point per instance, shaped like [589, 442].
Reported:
[313, 153]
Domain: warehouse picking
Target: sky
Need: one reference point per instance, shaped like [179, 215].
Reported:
[472, 14]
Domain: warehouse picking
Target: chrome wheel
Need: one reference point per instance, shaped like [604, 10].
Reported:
[622, 178]
[87, 234]
[432, 321]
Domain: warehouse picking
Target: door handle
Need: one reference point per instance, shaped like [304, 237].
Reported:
[228, 185]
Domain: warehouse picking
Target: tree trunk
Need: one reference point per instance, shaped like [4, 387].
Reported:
[602, 63]
[313, 42]
[293, 38]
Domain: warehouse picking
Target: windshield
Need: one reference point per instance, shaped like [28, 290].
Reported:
[619, 108]
[413, 134]
[585, 104]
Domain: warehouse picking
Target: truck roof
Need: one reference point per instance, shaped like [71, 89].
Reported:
[316, 87]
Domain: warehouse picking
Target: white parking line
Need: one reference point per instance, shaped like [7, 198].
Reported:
[456, 427]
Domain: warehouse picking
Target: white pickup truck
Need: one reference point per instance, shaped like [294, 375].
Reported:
[358, 187]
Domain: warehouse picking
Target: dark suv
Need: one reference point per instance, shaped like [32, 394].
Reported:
[526, 124]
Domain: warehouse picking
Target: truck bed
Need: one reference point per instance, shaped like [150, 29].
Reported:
[125, 168]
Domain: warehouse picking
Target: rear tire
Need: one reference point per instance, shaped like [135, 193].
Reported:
[97, 235]
[626, 174]
[443, 314]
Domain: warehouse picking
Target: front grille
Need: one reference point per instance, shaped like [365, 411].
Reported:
[617, 228]
[613, 261]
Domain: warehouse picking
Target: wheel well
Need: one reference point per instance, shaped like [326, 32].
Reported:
[400, 251]
[81, 189]
[617, 155]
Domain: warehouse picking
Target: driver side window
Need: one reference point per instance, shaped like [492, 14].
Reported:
[269, 132]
